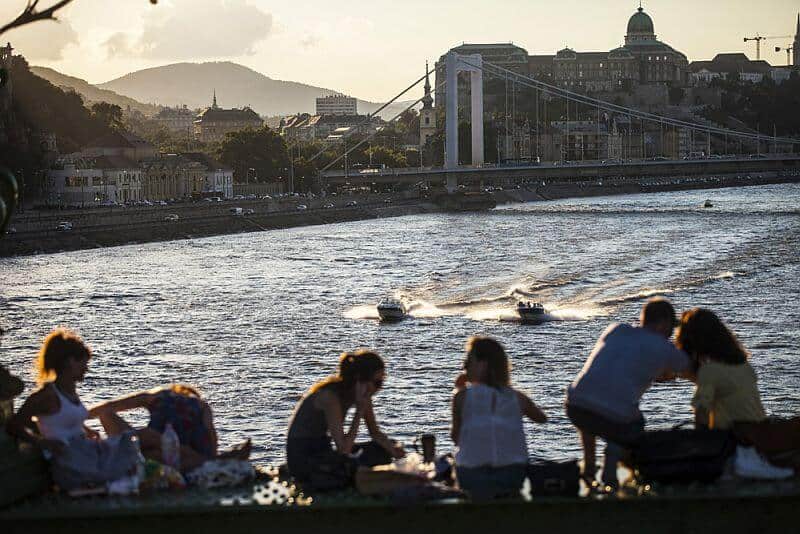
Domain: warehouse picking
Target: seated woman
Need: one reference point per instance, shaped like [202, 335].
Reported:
[727, 389]
[319, 451]
[78, 457]
[492, 454]
[182, 407]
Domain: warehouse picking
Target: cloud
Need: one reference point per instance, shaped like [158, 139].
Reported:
[41, 40]
[195, 29]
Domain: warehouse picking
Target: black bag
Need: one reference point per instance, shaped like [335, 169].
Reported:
[682, 455]
[554, 479]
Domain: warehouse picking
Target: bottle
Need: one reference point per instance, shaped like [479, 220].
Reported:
[170, 447]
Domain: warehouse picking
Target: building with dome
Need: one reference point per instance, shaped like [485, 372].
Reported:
[641, 60]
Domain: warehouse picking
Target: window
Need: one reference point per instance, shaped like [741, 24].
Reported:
[427, 121]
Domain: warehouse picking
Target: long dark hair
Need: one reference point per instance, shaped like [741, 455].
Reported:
[358, 366]
[498, 369]
[702, 334]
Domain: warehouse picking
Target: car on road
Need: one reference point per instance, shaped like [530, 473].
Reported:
[171, 217]
[302, 207]
[352, 203]
[236, 212]
[249, 211]
[64, 226]
[328, 206]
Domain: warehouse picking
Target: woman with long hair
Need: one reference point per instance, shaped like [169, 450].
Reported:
[492, 454]
[179, 405]
[726, 385]
[318, 448]
[78, 456]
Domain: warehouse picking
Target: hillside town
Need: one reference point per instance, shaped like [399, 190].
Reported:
[179, 153]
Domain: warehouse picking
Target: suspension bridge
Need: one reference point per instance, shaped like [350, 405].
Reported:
[677, 146]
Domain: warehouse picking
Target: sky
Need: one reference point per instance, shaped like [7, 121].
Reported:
[371, 49]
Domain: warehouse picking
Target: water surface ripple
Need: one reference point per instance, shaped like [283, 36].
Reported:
[254, 319]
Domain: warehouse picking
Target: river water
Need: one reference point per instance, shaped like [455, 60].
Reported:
[254, 319]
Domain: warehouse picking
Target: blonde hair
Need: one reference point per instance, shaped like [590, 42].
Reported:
[58, 347]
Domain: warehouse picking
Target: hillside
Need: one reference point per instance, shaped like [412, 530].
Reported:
[194, 83]
[90, 93]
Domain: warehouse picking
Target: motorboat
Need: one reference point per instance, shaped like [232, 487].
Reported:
[391, 310]
[708, 204]
[531, 312]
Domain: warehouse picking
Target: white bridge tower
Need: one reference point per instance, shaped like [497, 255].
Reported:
[473, 64]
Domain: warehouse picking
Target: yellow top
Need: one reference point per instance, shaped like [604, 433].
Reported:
[729, 393]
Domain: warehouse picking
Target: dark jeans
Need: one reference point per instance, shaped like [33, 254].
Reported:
[316, 464]
[619, 436]
[485, 483]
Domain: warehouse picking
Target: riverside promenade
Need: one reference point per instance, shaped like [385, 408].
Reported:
[36, 231]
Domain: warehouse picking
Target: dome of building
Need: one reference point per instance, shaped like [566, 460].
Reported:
[640, 22]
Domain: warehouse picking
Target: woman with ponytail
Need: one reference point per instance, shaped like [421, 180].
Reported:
[319, 451]
[78, 456]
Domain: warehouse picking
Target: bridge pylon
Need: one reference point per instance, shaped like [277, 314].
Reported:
[455, 63]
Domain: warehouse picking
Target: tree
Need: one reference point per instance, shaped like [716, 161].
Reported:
[108, 114]
[31, 13]
[262, 150]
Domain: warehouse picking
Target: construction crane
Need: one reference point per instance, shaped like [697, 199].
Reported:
[759, 38]
[788, 50]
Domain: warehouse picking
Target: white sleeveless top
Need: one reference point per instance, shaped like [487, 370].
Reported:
[491, 428]
[67, 422]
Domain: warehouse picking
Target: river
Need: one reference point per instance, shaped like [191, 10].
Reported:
[254, 319]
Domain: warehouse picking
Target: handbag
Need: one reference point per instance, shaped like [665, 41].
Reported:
[681, 455]
[554, 478]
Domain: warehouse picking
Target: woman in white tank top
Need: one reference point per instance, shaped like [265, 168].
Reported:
[491, 454]
[77, 455]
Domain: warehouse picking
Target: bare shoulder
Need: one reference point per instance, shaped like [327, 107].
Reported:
[44, 400]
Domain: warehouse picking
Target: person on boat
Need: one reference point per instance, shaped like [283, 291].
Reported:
[603, 400]
[726, 385]
[78, 456]
[320, 452]
[179, 405]
[487, 429]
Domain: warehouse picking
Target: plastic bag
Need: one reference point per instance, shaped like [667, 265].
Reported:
[221, 473]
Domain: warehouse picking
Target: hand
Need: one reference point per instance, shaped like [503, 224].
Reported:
[91, 434]
[53, 446]
[461, 381]
[397, 451]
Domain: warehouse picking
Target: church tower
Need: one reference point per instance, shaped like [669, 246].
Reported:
[796, 45]
[427, 115]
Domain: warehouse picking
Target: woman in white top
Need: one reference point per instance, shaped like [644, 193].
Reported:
[78, 456]
[492, 455]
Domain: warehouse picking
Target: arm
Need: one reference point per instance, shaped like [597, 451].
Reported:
[208, 424]
[529, 409]
[329, 404]
[375, 432]
[701, 418]
[42, 402]
[457, 407]
[129, 402]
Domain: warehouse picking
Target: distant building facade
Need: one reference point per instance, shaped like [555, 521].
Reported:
[337, 105]
[735, 65]
[179, 120]
[305, 127]
[214, 123]
[642, 60]
[218, 177]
